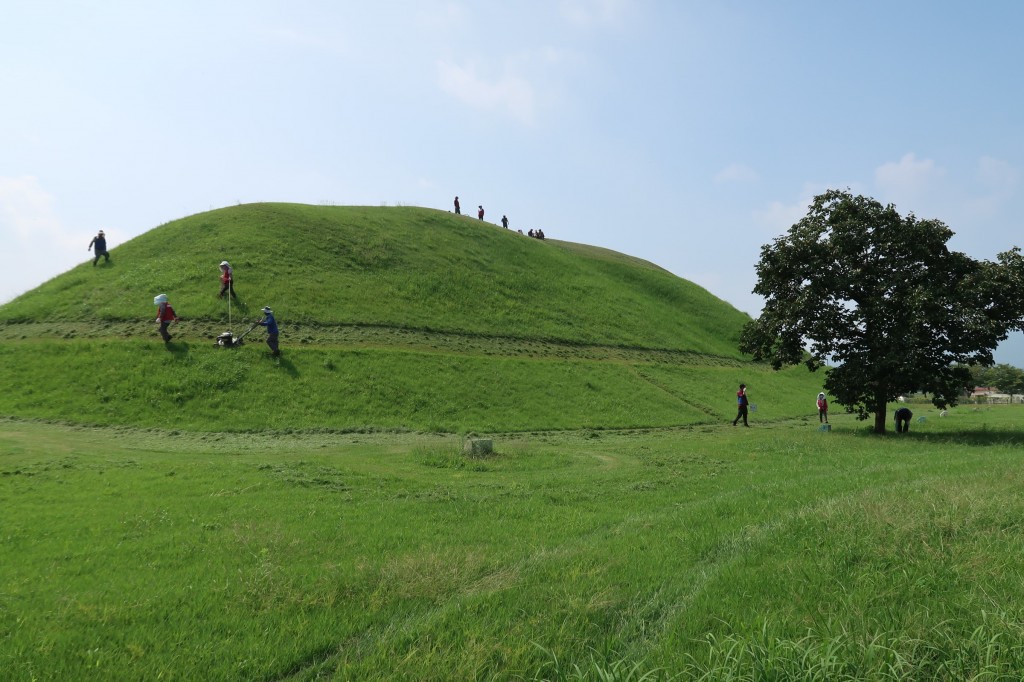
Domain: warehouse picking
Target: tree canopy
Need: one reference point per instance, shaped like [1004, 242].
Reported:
[883, 301]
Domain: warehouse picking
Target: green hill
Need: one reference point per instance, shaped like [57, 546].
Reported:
[392, 318]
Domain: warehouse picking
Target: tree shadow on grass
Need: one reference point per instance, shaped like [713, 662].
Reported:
[971, 437]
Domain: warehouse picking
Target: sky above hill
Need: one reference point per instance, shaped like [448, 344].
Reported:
[688, 133]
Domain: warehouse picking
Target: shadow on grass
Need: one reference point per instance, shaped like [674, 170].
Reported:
[178, 349]
[972, 437]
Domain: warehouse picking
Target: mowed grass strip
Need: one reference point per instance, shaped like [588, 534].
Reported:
[196, 386]
[710, 551]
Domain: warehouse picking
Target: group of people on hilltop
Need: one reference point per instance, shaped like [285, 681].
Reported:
[539, 234]
[165, 314]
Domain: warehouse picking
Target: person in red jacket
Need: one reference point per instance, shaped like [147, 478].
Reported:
[822, 408]
[480, 212]
[227, 280]
[164, 315]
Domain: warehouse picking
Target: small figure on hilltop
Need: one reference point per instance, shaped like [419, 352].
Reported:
[741, 405]
[903, 416]
[504, 221]
[480, 212]
[458, 209]
[539, 234]
[100, 242]
[529, 233]
[270, 323]
[164, 315]
[227, 280]
[822, 408]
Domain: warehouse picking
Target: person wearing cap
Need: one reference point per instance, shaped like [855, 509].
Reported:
[822, 408]
[270, 323]
[100, 242]
[227, 280]
[164, 315]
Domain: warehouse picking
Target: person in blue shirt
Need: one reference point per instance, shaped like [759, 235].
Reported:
[741, 405]
[270, 323]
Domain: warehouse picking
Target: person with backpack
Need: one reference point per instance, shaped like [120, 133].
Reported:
[270, 323]
[822, 408]
[164, 315]
[741, 405]
[100, 242]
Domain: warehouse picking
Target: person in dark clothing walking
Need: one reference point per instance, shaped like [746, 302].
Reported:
[270, 323]
[903, 417]
[480, 212]
[741, 405]
[504, 221]
[100, 242]
[458, 209]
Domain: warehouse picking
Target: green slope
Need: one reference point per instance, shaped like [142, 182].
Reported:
[403, 267]
[392, 318]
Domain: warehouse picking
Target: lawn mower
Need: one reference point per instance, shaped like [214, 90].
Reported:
[227, 340]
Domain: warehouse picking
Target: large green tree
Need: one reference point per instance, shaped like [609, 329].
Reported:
[881, 302]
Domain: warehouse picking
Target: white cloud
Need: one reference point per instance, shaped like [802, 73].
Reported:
[998, 183]
[42, 245]
[510, 92]
[998, 176]
[909, 181]
[26, 210]
[736, 172]
[778, 217]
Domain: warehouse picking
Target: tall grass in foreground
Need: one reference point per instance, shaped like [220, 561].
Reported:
[780, 553]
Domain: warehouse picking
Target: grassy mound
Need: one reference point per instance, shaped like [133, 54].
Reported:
[392, 318]
[398, 267]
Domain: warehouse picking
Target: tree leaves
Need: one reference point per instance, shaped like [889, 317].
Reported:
[883, 301]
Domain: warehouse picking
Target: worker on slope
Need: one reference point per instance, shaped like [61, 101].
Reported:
[100, 242]
[227, 280]
[270, 323]
[164, 315]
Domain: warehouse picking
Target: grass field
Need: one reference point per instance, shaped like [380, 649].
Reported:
[775, 552]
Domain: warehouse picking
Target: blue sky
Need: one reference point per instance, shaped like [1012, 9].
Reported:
[685, 133]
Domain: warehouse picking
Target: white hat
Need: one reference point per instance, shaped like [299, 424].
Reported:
[161, 298]
[821, 395]
[267, 309]
[224, 262]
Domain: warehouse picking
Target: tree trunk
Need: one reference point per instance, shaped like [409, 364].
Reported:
[880, 414]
